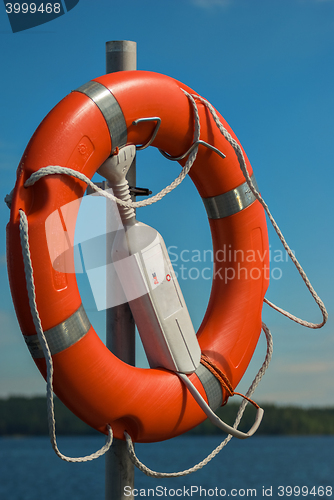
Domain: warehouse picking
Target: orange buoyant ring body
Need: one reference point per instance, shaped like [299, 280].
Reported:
[80, 133]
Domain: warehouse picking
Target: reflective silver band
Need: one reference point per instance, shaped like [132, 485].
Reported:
[230, 203]
[110, 109]
[61, 336]
[211, 386]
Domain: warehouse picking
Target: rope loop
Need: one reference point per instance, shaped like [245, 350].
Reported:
[242, 163]
[223, 379]
[29, 275]
[218, 373]
[151, 473]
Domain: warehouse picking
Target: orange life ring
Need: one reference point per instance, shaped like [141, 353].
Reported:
[80, 133]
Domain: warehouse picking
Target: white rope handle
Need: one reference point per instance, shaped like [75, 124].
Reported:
[214, 419]
[149, 472]
[24, 236]
[242, 163]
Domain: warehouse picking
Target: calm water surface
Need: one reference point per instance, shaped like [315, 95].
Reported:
[29, 469]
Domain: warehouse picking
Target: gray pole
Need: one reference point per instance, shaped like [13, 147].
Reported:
[121, 55]
[120, 328]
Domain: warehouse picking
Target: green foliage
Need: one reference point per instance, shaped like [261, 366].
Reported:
[28, 416]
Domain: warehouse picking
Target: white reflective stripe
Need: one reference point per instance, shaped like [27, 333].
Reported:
[232, 202]
[110, 109]
[211, 386]
[61, 336]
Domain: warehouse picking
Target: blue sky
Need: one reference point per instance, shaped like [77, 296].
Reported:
[268, 68]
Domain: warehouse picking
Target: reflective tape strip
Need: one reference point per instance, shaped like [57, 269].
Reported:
[211, 386]
[230, 203]
[110, 109]
[62, 336]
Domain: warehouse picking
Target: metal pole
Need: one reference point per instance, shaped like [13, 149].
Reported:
[121, 55]
[120, 327]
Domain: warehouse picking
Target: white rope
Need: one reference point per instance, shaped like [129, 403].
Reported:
[242, 163]
[24, 236]
[149, 472]
[32, 300]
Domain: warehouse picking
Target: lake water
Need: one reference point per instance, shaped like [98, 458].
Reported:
[278, 467]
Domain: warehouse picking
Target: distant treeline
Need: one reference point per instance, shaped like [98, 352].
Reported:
[28, 416]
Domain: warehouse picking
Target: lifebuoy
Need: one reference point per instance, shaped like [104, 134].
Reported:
[80, 133]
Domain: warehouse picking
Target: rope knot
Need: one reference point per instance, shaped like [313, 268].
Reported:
[223, 379]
